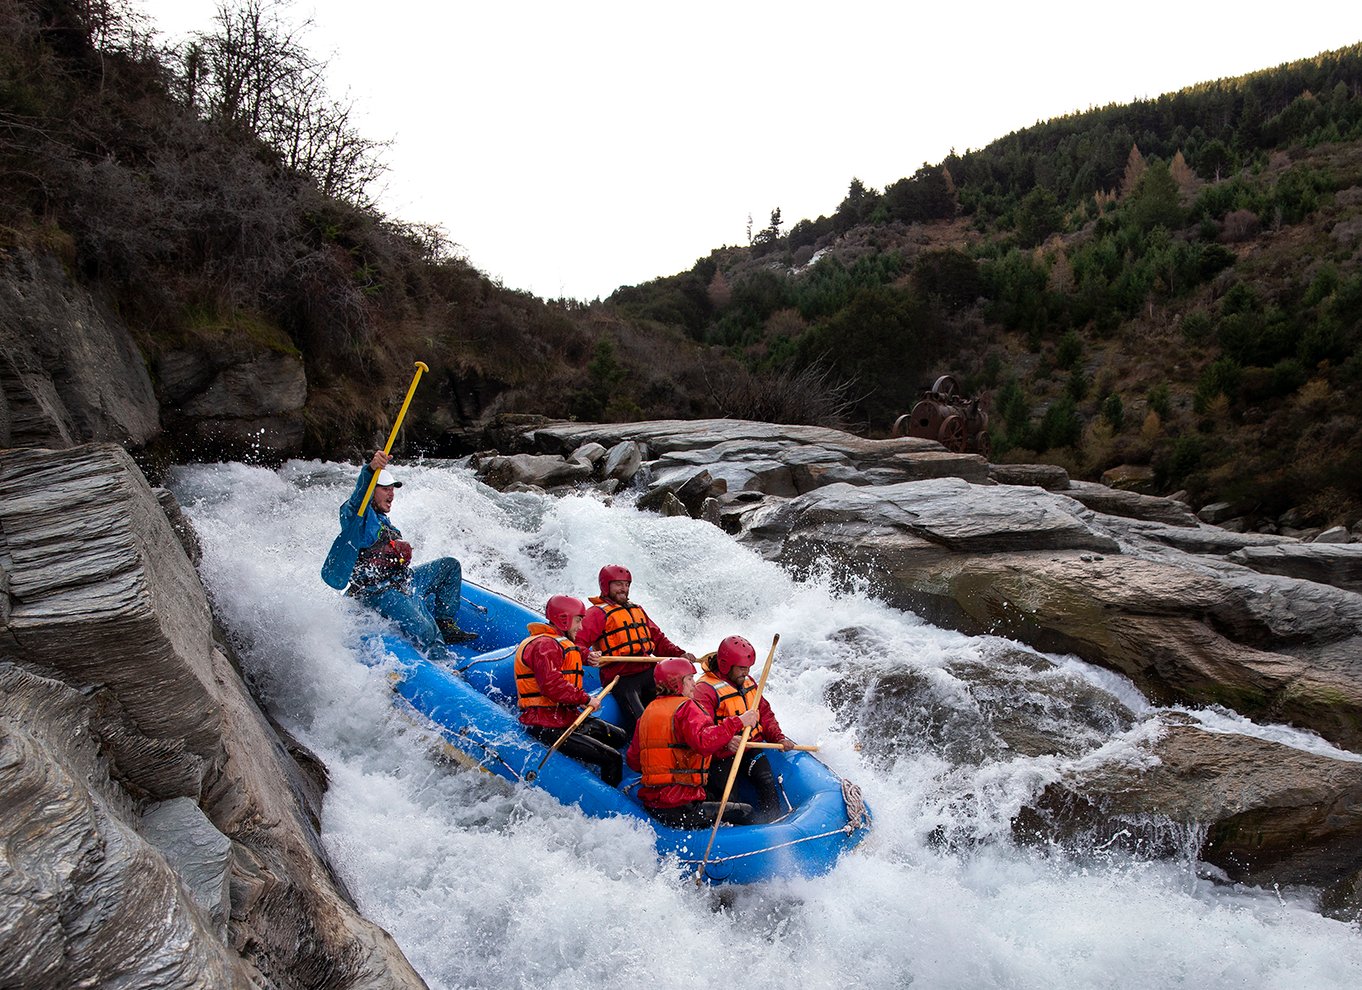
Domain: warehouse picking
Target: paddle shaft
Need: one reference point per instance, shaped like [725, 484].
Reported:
[573, 727]
[737, 759]
[796, 749]
[613, 659]
[392, 437]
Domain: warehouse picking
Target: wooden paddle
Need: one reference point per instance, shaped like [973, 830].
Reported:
[612, 659]
[572, 728]
[793, 749]
[737, 759]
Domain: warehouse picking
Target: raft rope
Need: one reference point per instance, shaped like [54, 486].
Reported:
[855, 802]
[856, 819]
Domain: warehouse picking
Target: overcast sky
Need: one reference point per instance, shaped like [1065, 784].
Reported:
[570, 148]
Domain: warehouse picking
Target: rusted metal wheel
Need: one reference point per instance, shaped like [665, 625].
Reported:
[945, 385]
[952, 434]
[901, 425]
[984, 445]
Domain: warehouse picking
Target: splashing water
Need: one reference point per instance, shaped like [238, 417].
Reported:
[486, 885]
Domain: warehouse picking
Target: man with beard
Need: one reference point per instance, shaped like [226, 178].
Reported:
[616, 627]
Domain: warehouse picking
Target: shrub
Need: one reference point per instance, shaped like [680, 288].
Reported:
[1196, 326]
[1114, 412]
[1157, 400]
[1220, 378]
[1151, 427]
[1070, 350]
[1078, 385]
[1061, 425]
[1241, 225]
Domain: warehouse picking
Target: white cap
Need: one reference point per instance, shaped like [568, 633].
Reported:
[385, 480]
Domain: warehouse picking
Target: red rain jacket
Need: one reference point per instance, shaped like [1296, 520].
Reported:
[698, 731]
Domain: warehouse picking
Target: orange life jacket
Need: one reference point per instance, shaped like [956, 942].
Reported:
[733, 701]
[626, 630]
[526, 687]
[663, 754]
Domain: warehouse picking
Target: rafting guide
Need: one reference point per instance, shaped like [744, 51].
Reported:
[371, 561]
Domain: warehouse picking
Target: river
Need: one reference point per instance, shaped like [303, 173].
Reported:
[486, 885]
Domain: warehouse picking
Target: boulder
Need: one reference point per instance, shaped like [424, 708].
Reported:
[699, 488]
[1017, 703]
[1115, 502]
[1334, 534]
[1217, 512]
[769, 458]
[732, 510]
[1130, 478]
[622, 461]
[1032, 566]
[116, 700]
[1271, 814]
[662, 501]
[540, 470]
[1051, 477]
[588, 453]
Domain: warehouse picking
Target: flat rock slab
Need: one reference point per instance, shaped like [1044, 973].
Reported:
[1116, 502]
[1336, 564]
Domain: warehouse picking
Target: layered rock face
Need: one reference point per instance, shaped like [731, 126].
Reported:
[157, 828]
[71, 372]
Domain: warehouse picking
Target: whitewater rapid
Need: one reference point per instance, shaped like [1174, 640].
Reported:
[487, 885]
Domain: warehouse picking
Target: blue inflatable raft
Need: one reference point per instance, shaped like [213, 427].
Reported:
[471, 698]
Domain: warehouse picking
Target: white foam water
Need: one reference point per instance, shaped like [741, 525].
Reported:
[488, 885]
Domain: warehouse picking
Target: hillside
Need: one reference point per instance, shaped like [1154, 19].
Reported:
[209, 200]
[1172, 285]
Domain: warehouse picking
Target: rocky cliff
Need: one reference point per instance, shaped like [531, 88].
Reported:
[159, 831]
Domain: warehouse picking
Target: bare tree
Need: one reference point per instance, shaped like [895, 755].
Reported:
[254, 72]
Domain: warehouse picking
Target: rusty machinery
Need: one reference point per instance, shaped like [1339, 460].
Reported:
[943, 414]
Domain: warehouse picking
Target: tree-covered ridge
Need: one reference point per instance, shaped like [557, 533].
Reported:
[1153, 282]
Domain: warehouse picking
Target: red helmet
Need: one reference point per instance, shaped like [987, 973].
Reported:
[734, 652]
[561, 610]
[669, 674]
[613, 572]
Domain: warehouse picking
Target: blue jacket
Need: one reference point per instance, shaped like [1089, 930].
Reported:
[356, 533]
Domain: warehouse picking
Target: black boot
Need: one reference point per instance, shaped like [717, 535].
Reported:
[452, 634]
